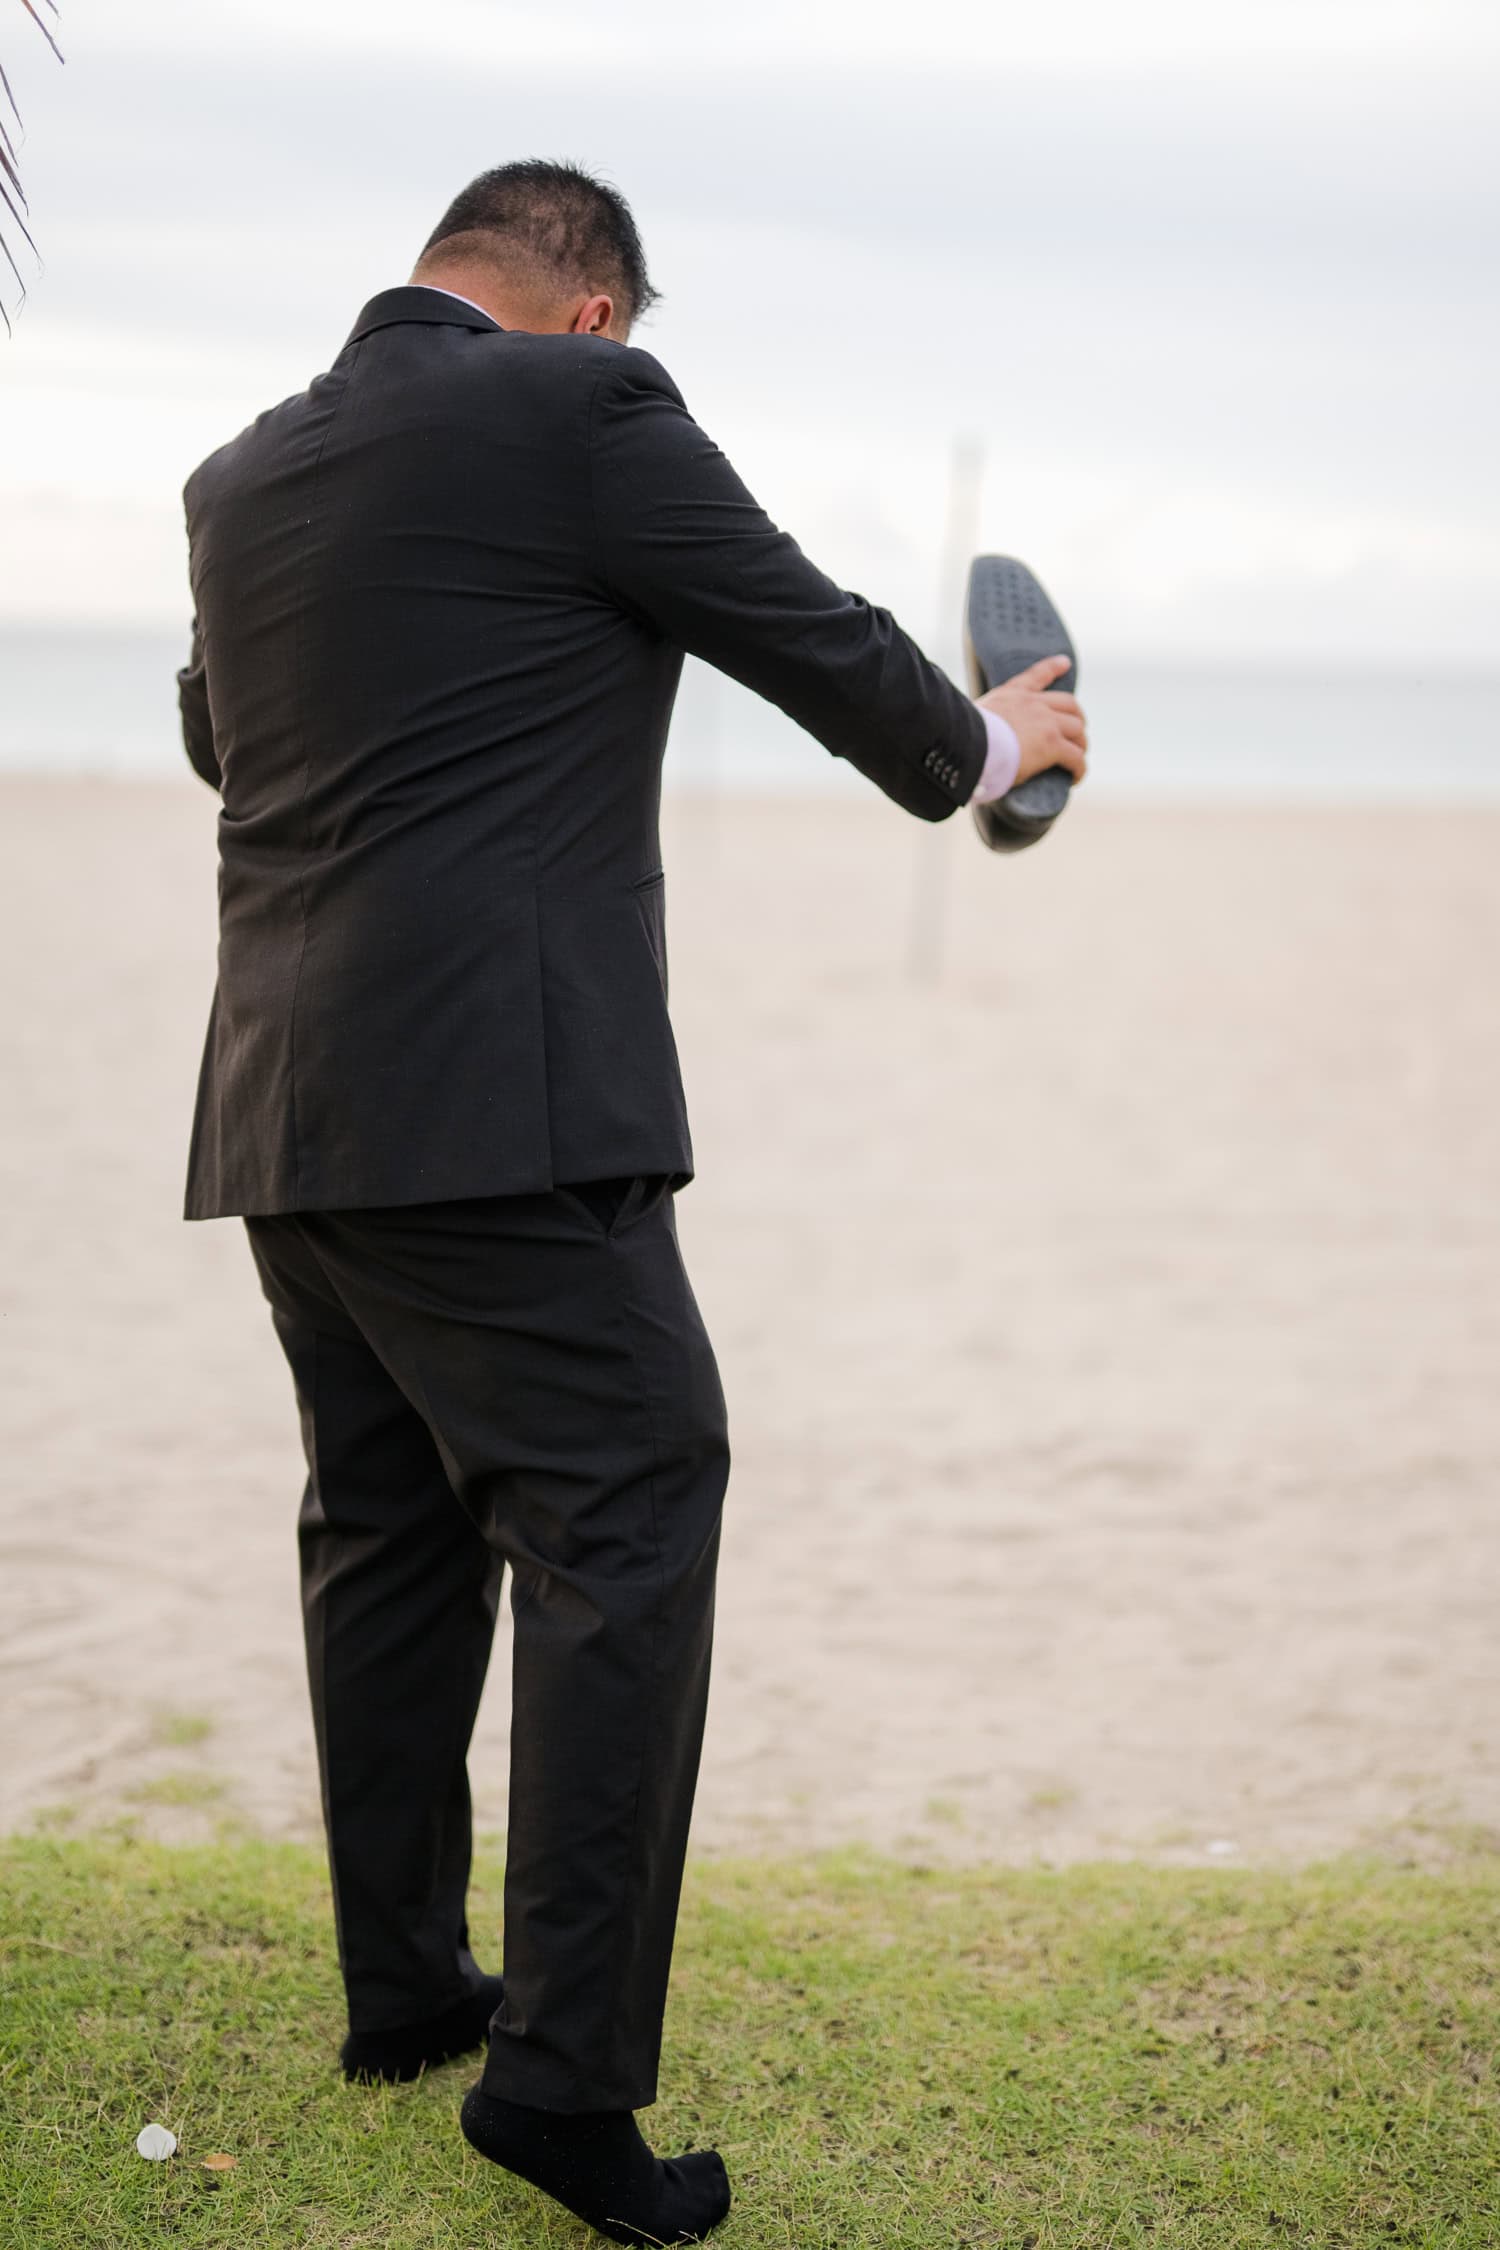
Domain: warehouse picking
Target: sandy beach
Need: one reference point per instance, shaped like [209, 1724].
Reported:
[1109, 1317]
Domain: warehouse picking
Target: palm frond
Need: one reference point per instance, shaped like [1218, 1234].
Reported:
[41, 26]
[14, 209]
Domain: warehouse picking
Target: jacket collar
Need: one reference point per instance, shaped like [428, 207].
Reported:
[413, 302]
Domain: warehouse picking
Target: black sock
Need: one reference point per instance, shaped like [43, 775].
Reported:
[410, 2048]
[597, 2165]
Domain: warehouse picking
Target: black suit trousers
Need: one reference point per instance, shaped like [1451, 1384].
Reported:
[519, 1380]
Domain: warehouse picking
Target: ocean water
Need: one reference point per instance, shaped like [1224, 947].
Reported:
[103, 702]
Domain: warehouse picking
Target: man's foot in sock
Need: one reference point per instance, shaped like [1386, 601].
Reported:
[597, 2165]
[410, 2048]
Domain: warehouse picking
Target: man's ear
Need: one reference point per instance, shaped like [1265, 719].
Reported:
[594, 316]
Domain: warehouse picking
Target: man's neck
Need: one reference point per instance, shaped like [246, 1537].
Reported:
[460, 298]
[510, 303]
[488, 292]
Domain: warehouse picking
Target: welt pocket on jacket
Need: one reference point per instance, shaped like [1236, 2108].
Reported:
[645, 882]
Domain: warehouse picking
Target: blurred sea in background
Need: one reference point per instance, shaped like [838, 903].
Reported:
[102, 702]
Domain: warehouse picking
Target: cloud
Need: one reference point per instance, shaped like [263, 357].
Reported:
[1220, 326]
[682, 35]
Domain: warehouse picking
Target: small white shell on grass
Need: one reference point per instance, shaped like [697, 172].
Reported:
[155, 2142]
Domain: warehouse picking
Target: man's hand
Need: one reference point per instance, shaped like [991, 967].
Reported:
[1049, 726]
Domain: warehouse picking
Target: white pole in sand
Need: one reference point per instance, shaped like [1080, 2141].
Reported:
[929, 894]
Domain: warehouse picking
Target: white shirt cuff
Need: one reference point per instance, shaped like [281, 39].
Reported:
[1002, 762]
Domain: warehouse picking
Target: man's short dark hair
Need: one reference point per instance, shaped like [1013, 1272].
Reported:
[556, 216]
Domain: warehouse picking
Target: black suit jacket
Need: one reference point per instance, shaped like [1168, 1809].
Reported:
[441, 602]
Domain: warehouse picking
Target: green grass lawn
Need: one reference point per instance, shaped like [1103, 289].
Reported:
[1092, 2060]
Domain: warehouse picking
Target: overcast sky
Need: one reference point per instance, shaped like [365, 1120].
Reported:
[1214, 284]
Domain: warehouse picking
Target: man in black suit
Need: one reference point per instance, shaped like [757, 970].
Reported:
[441, 602]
